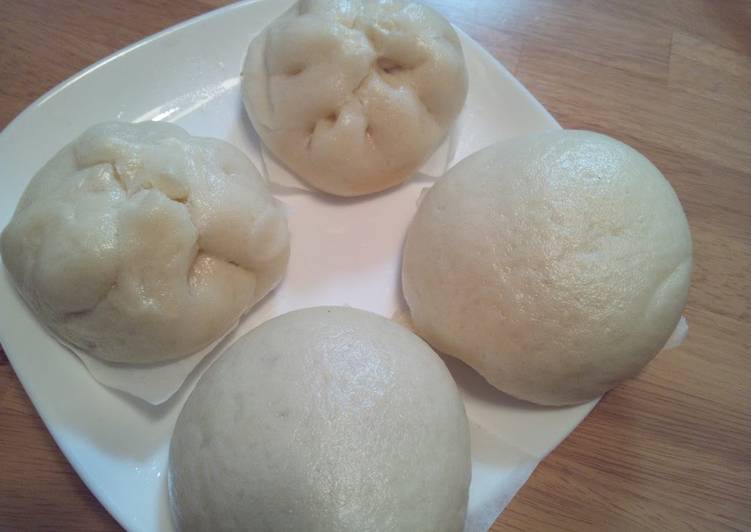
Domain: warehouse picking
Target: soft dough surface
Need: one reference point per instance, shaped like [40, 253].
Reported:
[354, 95]
[328, 419]
[138, 243]
[556, 265]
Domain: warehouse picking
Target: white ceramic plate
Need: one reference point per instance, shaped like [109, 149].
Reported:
[189, 74]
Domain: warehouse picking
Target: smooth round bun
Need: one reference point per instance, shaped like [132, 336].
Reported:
[327, 419]
[354, 95]
[138, 243]
[556, 265]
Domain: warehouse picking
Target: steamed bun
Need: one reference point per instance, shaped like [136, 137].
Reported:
[354, 95]
[327, 419]
[556, 265]
[138, 243]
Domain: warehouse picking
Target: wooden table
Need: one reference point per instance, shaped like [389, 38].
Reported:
[668, 450]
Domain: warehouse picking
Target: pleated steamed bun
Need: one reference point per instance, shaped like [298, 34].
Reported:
[557, 265]
[354, 95]
[327, 419]
[138, 243]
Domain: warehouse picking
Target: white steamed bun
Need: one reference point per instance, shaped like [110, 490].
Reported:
[138, 243]
[556, 265]
[328, 419]
[353, 95]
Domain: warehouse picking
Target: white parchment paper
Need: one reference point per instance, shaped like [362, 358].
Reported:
[155, 383]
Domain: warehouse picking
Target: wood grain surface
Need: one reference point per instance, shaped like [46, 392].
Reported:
[669, 450]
